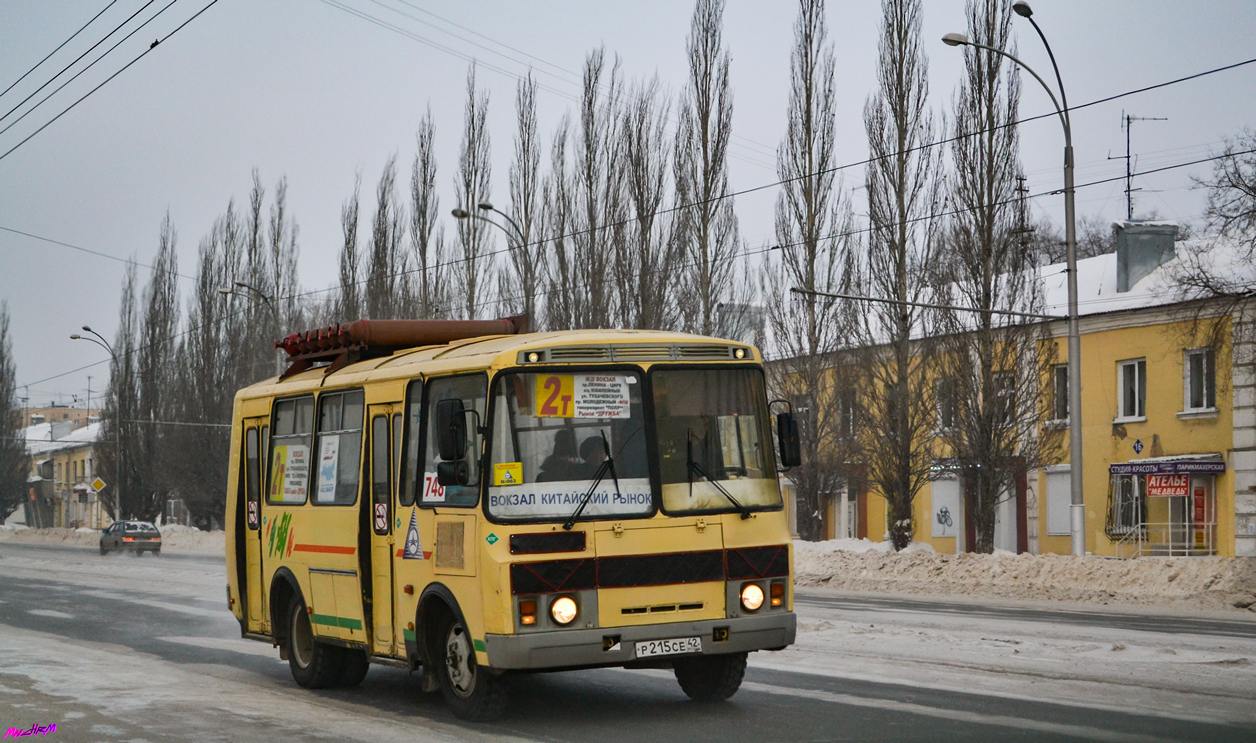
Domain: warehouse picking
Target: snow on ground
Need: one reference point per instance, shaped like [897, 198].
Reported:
[175, 538]
[1202, 583]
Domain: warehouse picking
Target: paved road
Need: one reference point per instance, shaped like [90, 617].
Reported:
[118, 648]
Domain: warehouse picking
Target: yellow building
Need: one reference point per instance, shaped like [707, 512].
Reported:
[1169, 427]
[63, 466]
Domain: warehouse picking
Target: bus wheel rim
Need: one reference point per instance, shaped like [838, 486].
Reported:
[302, 639]
[458, 663]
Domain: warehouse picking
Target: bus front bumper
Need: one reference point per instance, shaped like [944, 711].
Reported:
[598, 647]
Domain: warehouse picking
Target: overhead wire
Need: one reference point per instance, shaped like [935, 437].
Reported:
[84, 97]
[76, 60]
[90, 65]
[59, 46]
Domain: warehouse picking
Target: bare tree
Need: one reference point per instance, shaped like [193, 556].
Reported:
[350, 304]
[427, 241]
[903, 185]
[992, 366]
[14, 464]
[471, 188]
[116, 449]
[385, 273]
[561, 306]
[646, 264]
[813, 228]
[284, 252]
[598, 227]
[707, 226]
[523, 278]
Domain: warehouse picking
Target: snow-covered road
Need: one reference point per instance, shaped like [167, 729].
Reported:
[123, 648]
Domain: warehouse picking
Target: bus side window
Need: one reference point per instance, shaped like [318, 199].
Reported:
[471, 389]
[411, 477]
[289, 473]
[252, 478]
[381, 481]
[337, 458]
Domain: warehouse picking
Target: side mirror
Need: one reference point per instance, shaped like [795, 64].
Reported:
[787, 440]
[451, 430]
[449, 474]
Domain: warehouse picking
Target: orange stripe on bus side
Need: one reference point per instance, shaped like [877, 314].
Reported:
[330, 549]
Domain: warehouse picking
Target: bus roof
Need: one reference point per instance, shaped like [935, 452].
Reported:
[497, 351]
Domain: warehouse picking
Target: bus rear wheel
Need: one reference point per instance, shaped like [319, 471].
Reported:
[710, 678]
[314, 665]
[472, 692]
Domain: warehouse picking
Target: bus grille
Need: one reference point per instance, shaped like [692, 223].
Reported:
[657, 570]
[552, 576]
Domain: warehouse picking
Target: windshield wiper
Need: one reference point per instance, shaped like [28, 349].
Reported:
[693, 468]
[608, 465]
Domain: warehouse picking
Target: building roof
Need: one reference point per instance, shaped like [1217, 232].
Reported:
[39, 440]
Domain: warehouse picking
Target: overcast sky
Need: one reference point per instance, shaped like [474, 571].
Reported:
[303, 89]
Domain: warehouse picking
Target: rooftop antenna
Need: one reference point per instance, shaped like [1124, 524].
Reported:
[1126, 120]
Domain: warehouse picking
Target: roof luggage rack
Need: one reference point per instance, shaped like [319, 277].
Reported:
[347, 343]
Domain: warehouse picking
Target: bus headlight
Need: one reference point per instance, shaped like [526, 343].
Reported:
[751, 596]
[564, 609]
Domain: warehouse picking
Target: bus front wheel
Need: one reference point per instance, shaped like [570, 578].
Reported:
[710, 678]
[314, 665]
[472, 692]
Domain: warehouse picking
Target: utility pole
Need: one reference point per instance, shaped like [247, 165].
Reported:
[1126, 121]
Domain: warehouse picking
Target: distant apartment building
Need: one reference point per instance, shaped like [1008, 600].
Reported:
[1169, 427]
[79, 417]
[63, 468]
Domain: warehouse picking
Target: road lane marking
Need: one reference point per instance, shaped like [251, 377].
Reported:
[50, 613]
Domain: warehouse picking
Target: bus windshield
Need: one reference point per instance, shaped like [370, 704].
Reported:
[550, 436]
[714, 440]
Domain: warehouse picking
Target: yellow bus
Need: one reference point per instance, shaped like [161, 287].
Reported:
[467, 501]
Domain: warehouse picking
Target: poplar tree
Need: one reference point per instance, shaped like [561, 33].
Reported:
[14, 464]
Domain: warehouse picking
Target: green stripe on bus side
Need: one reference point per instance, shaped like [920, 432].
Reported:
[331, 621]
[479, 645]
[409, 635]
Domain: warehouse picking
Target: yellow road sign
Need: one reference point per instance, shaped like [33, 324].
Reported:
[98, 484]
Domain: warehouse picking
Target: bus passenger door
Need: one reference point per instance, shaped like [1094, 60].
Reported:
[382, 638]
[254, 447]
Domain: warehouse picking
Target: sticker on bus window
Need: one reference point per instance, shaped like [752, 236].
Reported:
[433, 491]
[508, 473]
[328, 460]
[582, 396]
[290, 473]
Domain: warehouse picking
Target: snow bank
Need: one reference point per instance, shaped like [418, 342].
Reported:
[174, 538]
[1188, 582]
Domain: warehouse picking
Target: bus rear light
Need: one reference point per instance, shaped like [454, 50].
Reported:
[778, 594]
[128, 539]
[527, 612]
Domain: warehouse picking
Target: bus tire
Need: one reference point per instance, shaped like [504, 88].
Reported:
[314, 665]
[710, 678]
[354, 666]
[472, 692]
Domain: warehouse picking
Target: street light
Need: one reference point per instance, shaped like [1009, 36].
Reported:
[267, 299]
[1077, 509]
[117, 423]
[513, 232]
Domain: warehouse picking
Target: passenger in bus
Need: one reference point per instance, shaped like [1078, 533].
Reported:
[593, 454]
[562, 464]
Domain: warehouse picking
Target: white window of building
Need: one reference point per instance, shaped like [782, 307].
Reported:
[1132, 390]
[1199, 380]
[1059, 501]
[946, 517]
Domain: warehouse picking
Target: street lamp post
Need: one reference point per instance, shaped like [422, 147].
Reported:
[117, 423]
[1077, 509]
[269, 302]
[513, 232]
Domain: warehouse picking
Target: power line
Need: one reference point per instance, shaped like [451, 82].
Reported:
[76, 60]
[128, 261]
[54, 51]
[108, 79]
[90, 65]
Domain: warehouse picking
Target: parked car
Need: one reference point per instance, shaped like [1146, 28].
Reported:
[137, 537]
